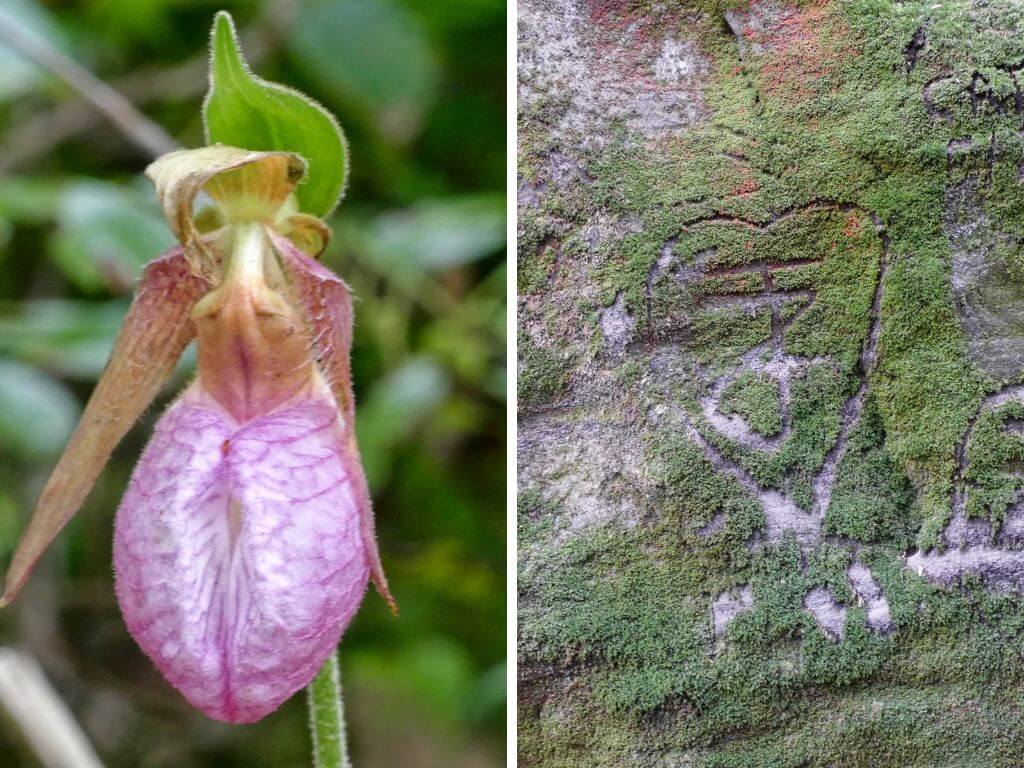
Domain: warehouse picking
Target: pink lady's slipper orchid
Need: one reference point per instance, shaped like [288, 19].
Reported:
[244, 542]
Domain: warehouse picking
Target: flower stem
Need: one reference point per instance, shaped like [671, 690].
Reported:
[327, 717]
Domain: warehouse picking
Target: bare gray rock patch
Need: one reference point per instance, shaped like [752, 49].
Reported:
[989, 302]
[617, 324]
[828, 613]
[593, 472]
[728, 605]
[605, 74]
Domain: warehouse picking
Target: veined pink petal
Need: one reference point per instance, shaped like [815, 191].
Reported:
[326, 302]
[238, 552]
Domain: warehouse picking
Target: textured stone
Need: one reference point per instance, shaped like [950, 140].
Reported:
[835, 217]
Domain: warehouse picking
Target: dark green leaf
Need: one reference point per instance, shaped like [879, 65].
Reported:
[376, 54]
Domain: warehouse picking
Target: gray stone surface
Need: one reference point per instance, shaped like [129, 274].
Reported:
[989, 301]
[601, 76]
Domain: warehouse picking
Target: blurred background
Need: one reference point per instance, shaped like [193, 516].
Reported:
[419, 86]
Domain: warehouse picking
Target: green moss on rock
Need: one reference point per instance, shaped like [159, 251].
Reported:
[542, 374]
[824, 156]
[755, 398]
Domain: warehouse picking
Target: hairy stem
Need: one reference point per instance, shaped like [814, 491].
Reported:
[327, 717]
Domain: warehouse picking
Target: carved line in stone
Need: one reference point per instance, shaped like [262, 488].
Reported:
[870, 595]
[971, 544]
[782, 514]
[769, 358]
[828, 613]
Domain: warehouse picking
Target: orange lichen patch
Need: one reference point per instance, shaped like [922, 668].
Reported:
[601, 11]
[805, 49]
[746, 186]
[853, 225]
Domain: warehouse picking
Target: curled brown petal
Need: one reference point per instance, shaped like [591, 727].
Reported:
[154, 334]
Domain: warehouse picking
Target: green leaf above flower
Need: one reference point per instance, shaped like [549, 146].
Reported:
[242, 110]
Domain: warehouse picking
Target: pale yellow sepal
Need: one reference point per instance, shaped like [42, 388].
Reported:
[248, 187]
[309, 234]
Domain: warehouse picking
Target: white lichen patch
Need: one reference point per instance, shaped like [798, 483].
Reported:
[604, 228]
[678, 63]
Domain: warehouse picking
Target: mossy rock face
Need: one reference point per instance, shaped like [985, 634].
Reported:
[754, 397]
[771, 425]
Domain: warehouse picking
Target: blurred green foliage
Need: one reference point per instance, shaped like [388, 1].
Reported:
[420, 88]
